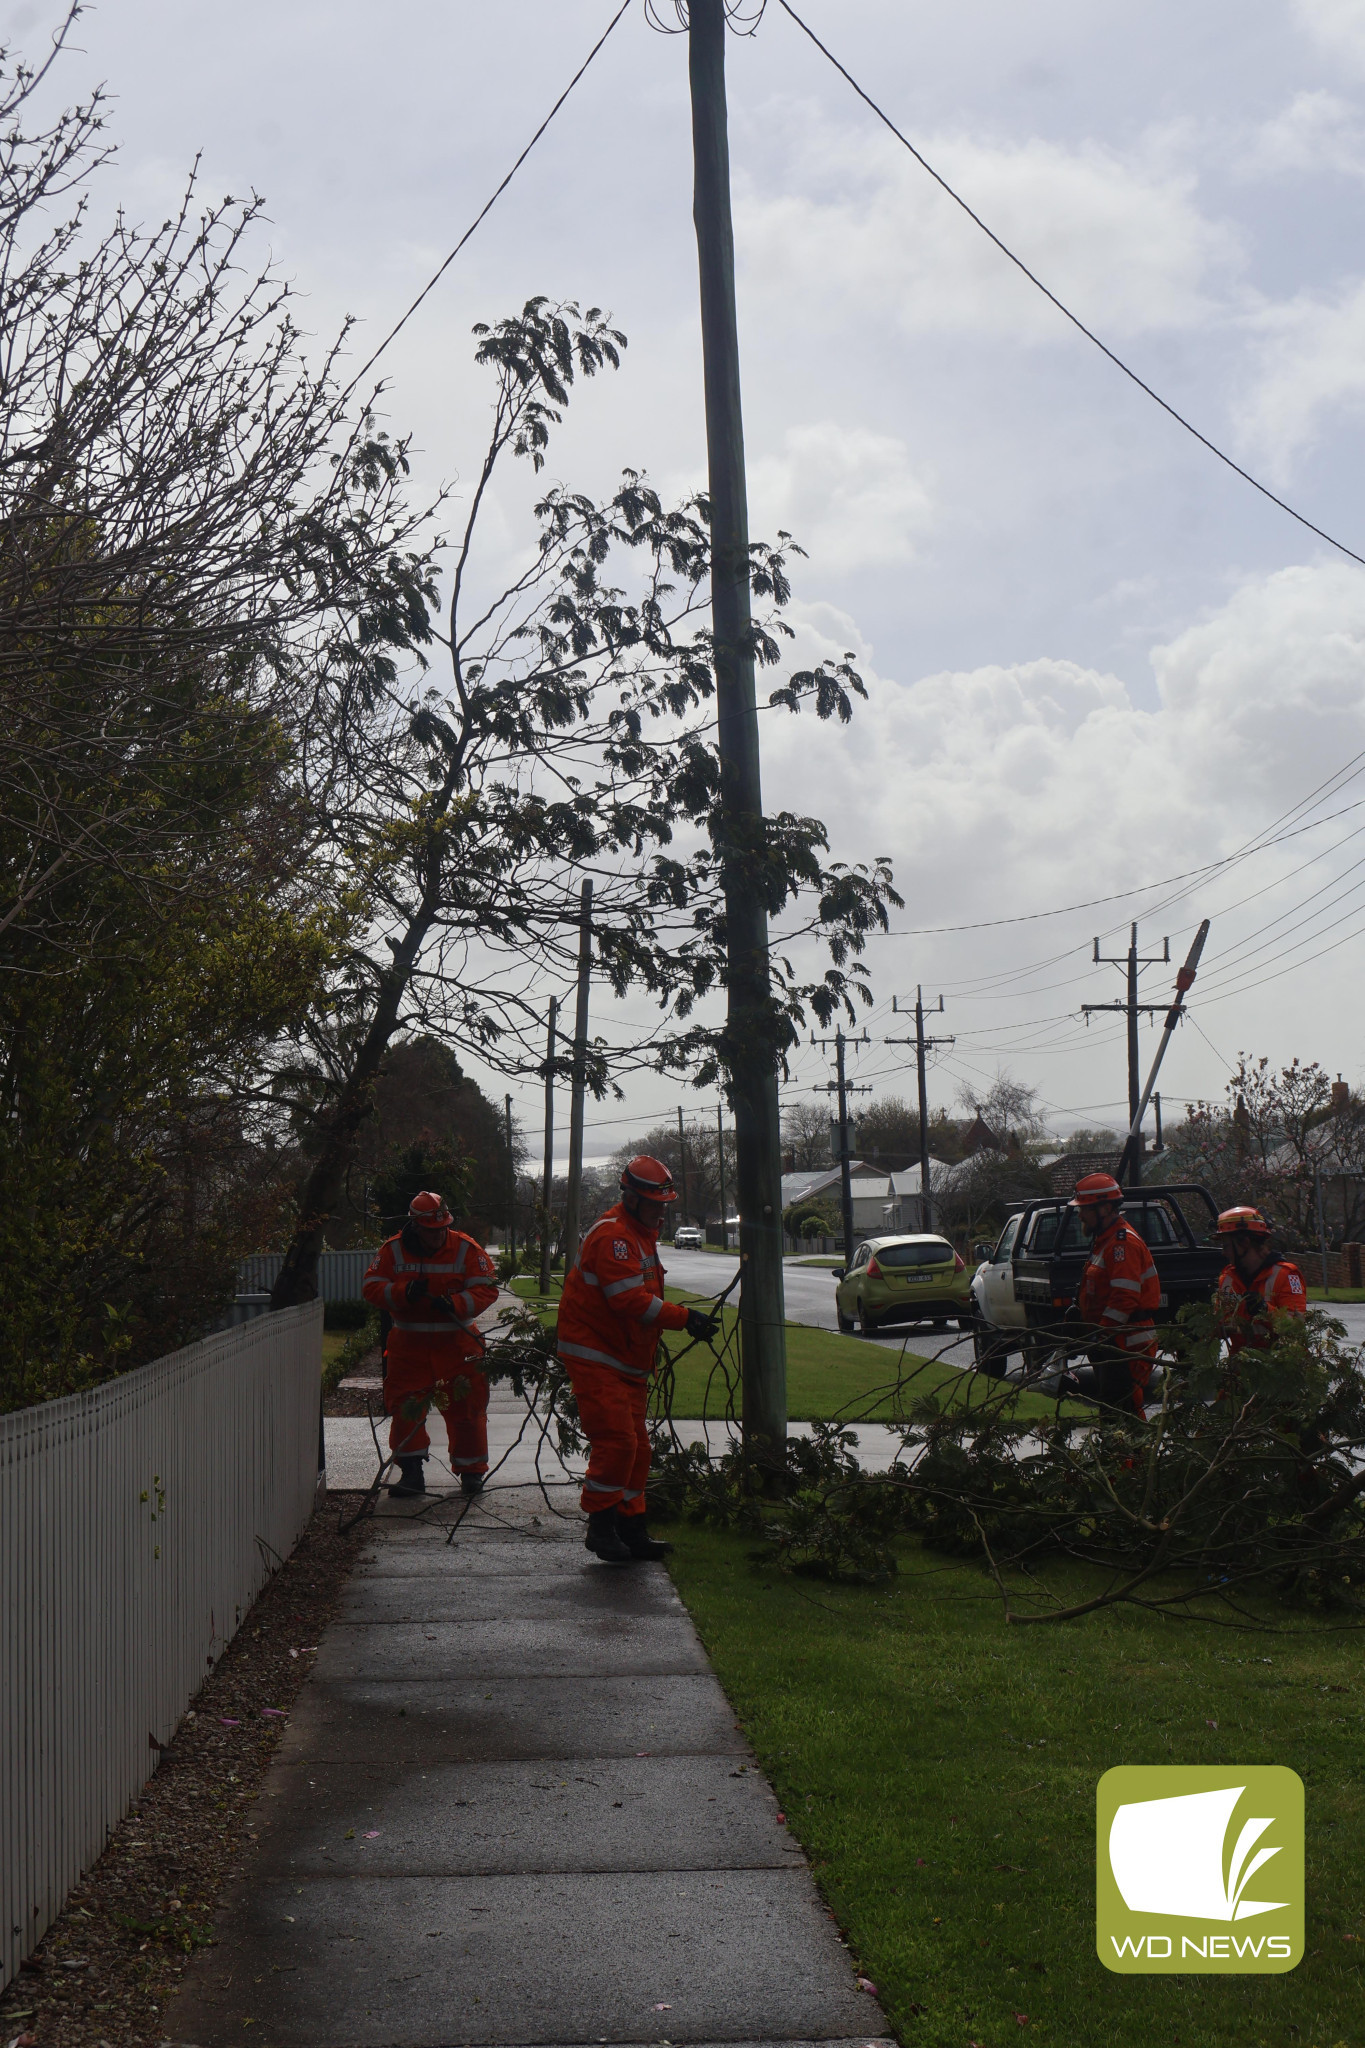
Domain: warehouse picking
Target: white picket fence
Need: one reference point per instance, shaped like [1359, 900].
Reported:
[137, 1524]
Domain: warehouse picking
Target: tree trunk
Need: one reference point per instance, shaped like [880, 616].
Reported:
[298, 1276]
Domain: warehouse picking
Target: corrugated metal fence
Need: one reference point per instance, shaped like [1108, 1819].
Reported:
[137, 1524]
[339, 1273]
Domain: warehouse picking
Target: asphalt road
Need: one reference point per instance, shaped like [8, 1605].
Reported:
[810, 1299]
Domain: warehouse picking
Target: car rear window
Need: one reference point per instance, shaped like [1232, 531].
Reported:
[936, 1252]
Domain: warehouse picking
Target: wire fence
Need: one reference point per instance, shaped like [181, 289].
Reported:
[137, 1524]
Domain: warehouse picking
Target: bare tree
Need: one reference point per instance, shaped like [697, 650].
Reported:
[1009, 1107]
[805, 1133]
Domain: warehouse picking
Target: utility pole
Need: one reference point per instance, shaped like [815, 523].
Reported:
[840, 1087]
[547, 1183]
[922, 1045]
[747, 1046]
[682, 1162]
[511, 1184]
[720, 1169]
[1131, 1008]
[573, 1200]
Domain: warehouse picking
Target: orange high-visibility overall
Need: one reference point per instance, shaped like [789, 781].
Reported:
[610, 1318]
[1246, 1311]
[1119, 1292]
[431, 1345]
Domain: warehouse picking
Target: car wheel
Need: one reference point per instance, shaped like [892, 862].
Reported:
[867, 1326]
[990, 1353]
[841, 1319]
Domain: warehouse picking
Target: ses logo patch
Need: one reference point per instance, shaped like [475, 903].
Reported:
[1199, 1869]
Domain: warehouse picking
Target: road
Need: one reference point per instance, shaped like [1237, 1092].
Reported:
[810, 1299]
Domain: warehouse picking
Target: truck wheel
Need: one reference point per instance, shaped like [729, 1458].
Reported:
[990, 1352]
[866, 1325]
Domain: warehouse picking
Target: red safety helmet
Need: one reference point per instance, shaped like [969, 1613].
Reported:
[1096, 1187]
[429, 1211]
[1233, 1222]
[650, 1178]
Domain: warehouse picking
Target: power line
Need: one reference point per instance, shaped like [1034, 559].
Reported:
[1065, 310]
[483, 214]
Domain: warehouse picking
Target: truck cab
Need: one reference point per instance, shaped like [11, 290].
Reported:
[1029, 1278]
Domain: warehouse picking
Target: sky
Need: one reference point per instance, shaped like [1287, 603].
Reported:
[1096, 659]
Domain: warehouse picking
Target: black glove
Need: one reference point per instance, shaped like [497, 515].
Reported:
[699, 1324]
[416, 1289]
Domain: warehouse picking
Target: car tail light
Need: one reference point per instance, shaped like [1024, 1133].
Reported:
[959, 1263]
[874, 1270]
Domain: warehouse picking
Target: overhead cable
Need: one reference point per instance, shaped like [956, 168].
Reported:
[481, 216]
[1065, 310]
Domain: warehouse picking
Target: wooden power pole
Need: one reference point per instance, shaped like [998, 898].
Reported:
[573, 1203]
[922, 1046]
[748, 1036]
[548, 1179]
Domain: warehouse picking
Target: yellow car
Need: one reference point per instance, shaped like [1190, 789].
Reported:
[902, 1280]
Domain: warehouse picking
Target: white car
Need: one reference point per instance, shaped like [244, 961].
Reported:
[688, 1238]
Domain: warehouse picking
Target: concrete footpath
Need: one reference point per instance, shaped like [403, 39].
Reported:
[512, 1806]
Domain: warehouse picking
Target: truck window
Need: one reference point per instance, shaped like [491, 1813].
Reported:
[1153, 1224]
[1006, 1244]
[1043, 1236]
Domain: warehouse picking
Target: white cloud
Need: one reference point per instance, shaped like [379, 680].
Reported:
[1008, 788]
[849, 495]
[1317, 131]
[1339, 25]
[1121, 239]
[1309, 358]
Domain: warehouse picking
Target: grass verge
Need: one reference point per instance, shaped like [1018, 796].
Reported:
[939, 1768]
[828, 1376]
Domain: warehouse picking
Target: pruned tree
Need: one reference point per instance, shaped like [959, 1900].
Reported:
[572, 736]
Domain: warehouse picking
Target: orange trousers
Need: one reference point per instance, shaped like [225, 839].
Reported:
[410, 1388]
[612, 1411]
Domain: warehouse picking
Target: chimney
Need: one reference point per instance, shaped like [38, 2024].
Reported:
[1341, 1096]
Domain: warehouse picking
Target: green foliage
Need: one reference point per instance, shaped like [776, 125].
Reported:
[351, 1355]
[812, 1219]
[1246, 1481]
[420, 1167]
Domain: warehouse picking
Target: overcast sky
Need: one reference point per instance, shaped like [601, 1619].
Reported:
[1096, 659]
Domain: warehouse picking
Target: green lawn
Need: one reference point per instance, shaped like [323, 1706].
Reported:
[827, 1375]
[940, 1767]
[1336, 1294]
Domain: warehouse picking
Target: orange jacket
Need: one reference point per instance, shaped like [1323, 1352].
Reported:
[613, 1306]
[1245, 1311]
[1120, 1288]
[459, 1272]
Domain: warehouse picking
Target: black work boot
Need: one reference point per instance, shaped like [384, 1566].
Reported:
[634, 1534]
[411, 1479]
[471, 1483]
[604, 1538]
